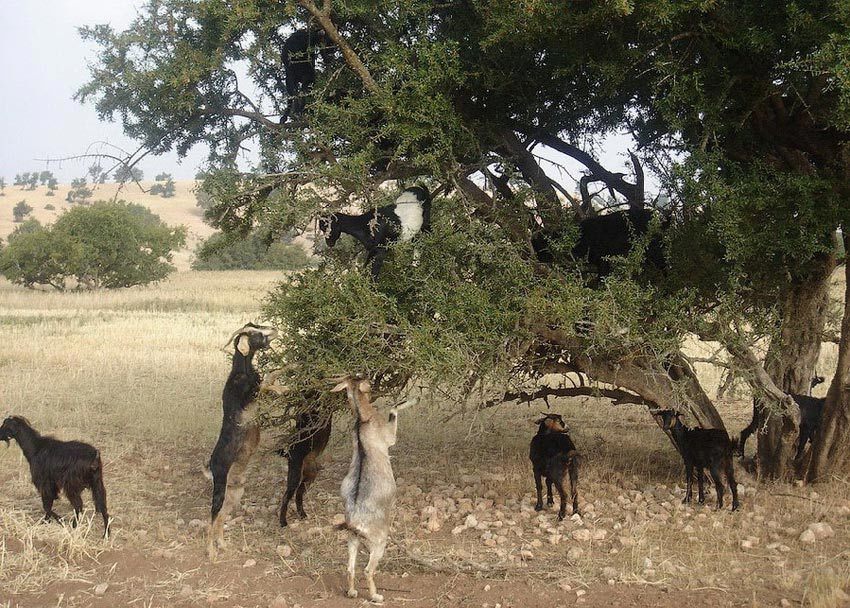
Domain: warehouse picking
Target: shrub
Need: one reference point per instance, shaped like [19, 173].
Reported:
[107, 245]
[79, 192]
[251, 253]
[21, 211]
[164, 186]
[48, 206]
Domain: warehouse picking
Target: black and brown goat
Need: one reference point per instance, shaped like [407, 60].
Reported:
[312, 431]
[702, 449]
[59, 466]
[811, 412]
[554, 456]
[240, 433]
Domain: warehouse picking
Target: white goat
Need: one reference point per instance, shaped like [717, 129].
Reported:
[369, 487]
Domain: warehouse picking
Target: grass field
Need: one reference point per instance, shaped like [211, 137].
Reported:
[139, 374]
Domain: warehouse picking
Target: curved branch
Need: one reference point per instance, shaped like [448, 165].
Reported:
[323, 17]
[617, 396]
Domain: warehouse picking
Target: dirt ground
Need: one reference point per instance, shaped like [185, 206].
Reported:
[139, 374]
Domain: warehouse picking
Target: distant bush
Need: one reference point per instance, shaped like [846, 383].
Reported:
[21, 211]
[251, 253]
[26, 227]
[164, 186]
[79, 192]
[127, 174]
[49, 207]
[107, 245]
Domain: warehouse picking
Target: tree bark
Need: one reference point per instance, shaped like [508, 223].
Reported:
[791, 362]
[831, 443]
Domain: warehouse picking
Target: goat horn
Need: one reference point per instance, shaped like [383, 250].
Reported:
[230, 339]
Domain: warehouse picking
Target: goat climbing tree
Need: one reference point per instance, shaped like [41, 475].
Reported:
[743, 115]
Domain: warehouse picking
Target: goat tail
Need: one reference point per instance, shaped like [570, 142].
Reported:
[98, 493]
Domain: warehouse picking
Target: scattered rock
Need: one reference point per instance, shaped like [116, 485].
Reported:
[338, 519]
[101, 588]
[807, 536]
[821, 530]
[186, 591]
[471, 521]
[581, 535]
[284, 551]
[580, 592]
[197, 524]
[249, 563]
[575, 553]
[784, 603]
[600, 534]
[609, 573]
[458, 529]
[279, 602]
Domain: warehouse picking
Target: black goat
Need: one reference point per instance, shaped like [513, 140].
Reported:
[378, 228]
[298, 56]
[605, 236]
[312, 431]
[811, 412]
[701, 449]
[59, 466]
[554, 456]
[239, 434]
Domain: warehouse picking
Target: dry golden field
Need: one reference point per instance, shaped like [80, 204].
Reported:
[139, 372]
[179, 209]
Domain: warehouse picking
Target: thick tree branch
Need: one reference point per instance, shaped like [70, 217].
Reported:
[255, 116]
[323, 17]
[617, 396]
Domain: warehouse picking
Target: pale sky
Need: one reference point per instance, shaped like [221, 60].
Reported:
[44, 62]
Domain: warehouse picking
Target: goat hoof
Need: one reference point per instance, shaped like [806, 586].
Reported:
[735, 507]
[538, 507]
[351, 593]
[560, 517]
[283, 523]
[302, 515]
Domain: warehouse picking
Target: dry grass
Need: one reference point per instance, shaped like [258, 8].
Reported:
[139, 374]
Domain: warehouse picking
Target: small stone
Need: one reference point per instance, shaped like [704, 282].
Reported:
[279, 602]
[609, 573]
[181, 521]
[101, 588]
[284, 551]
[249, 563]
[822, 530]
[580, 592]
[486, 587]
[807, 536]
[526, 554]
[574, 553]
[471, 521]
[581, 535]
[746, 544]
[458, 529]
[564, 586]
[600, 534]
[338, 519]
[784, 548]
[185, 591]
[784, 603]
[197, 524]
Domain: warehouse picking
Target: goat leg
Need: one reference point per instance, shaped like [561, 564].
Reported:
[353, 545]
[701, 485]
[538, 483]
[47, 499]
[549, 500]
[376, 552]
[689, 478]
[77, 502]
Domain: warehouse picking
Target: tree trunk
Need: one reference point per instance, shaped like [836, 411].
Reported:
[831, 443]
[791, 360]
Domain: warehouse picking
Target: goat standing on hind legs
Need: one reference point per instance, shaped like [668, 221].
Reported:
[312, 431]
[239, 434]
[59, 466]
[368, 489]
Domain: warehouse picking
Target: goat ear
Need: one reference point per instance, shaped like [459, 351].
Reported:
[340, 387]
[243, 345]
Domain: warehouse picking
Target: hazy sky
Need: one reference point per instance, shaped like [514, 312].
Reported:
[43, 63]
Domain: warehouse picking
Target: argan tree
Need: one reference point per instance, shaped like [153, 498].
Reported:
[742, 112]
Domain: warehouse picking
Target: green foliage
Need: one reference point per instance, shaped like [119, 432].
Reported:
[220, 252]
[106, 245]
[127, 174]
[26, 227]
[2, 186]
[50, 207]
[20, 211]
[80, 192]
[164, 186]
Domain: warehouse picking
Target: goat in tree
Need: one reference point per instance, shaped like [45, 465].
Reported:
[298, 55]
[378, 228]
